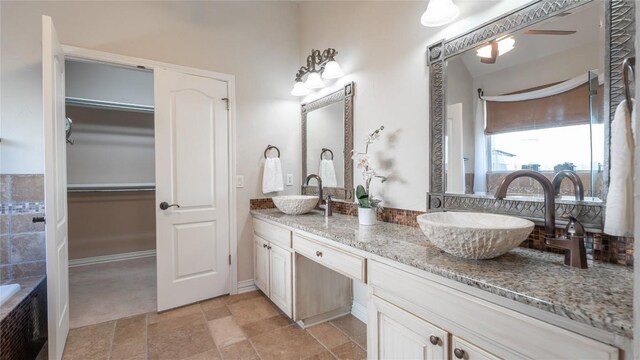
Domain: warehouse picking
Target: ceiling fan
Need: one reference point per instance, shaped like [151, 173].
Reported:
[490, 52]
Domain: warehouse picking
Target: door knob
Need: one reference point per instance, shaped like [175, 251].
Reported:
[165, 205]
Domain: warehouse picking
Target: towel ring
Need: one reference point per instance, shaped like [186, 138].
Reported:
[627, 65]
[324, 150]
[269, 147]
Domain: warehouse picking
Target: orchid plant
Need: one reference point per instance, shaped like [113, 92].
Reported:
[363, 161]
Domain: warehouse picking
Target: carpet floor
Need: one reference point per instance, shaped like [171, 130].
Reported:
[103, 292]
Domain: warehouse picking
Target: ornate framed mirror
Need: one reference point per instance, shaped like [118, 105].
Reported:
[500, 101]
[327, 141]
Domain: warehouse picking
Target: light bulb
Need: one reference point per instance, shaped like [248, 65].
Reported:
[314, 81]
[299, 89]
[439, 12]
[332, 70]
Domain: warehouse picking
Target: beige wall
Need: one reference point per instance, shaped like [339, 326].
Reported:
[382, 48]
[258, 42]
[111, 223]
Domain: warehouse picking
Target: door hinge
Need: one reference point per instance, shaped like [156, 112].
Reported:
[229, 259]
[227, 100]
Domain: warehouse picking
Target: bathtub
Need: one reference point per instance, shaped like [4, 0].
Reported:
[7, 291]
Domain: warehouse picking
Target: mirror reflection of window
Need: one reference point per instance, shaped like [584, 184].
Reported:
[562, 130]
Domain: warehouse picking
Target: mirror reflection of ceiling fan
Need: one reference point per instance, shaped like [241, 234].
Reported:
[490, 52]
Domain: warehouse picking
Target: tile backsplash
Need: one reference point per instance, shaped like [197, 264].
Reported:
[600, 247]
[22, 242]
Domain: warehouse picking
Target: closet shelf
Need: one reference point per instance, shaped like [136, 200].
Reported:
[108, 104]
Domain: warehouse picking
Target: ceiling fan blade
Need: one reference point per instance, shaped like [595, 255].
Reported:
[549, 32]
[494, 54]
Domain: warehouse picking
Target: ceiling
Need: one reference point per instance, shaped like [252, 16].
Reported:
[587, 21]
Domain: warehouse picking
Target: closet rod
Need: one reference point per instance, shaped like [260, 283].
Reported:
[108, 104]
[110, 189]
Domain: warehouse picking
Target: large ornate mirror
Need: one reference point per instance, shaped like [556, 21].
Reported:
[534, 89]
[327, 141]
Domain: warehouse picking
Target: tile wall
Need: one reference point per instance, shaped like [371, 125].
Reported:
[22, 243]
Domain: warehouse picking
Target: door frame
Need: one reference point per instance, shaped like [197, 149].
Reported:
[82, 54]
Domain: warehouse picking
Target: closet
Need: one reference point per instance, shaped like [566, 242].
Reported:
[110, 191]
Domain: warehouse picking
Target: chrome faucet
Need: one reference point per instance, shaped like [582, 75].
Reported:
[322, 203]
[578, 187]
[573, 241]
[549, 200]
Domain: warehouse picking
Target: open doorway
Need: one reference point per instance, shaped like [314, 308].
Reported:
[110, 191]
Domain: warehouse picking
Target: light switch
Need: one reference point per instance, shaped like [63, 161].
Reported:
[289, 179]
[239, 181]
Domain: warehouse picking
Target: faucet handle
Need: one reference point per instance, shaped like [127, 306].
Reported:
[574, 227]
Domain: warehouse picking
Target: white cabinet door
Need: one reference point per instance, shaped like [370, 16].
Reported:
[261, 264]
[280, 280]
[192, 188]
[467, 351]
[396, 334]
[55, 193]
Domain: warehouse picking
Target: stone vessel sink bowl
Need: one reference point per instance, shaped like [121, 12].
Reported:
[474, 235]
[295, 204]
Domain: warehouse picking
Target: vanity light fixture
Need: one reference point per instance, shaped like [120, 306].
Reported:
[320, 65]
[314, 81]
[439, 12]
[504, 46]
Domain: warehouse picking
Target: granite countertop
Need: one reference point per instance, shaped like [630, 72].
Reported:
[601, 296]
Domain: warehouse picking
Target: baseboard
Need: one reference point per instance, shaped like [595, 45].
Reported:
[246, 286]
[111, 258]
[359, 311]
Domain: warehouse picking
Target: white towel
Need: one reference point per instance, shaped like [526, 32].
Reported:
[327, 173]
[272, 177]
[618, 219]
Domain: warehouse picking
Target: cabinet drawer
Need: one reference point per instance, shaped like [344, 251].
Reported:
[335, 259]
[497, 329]
[466, 351]
[272, 233]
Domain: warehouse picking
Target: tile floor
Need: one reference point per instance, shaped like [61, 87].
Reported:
[245, 326]
[110, 291]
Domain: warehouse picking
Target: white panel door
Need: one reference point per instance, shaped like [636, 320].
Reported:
[192, 172]
[261, 264]
[280, 284]
[55, 192]
[396, 334]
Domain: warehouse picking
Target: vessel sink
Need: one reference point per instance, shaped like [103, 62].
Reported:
[295, 204]
[474, 235]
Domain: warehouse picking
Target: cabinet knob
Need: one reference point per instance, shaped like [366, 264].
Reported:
[264, 246]
[268, 247]
[319, 253]
[434, 339]
[459, 353]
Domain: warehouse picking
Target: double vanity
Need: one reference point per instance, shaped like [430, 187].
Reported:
[424, 303]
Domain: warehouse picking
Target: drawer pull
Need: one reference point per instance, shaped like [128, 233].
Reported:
[319, 253]
[459, 353]
[434, 340]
